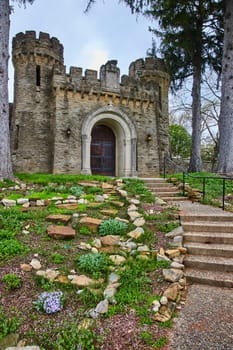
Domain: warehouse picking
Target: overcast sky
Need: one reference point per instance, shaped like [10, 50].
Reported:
[108, 31]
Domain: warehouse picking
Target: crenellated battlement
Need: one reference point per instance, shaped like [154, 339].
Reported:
[27, 43]
[144, 78]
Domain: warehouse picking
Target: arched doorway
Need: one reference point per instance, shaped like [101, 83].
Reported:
[125, 135]
[103, 150]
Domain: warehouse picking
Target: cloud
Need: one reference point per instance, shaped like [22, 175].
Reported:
[93, 55]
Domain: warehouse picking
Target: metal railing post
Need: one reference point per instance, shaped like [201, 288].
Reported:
[183, 183]
[203, 188]
[223, 193]
[164, 167]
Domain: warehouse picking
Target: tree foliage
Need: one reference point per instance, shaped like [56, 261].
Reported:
[180, 141]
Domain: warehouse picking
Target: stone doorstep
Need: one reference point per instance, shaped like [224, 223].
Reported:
[212, 263]
[61, 232]
[206, 217]
[208, 237]
[223, 250]
[208, 226]
[212, 278]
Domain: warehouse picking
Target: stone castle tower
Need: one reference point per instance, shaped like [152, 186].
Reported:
[75, 123]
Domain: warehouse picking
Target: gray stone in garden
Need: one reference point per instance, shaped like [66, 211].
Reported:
[178, 241]
[160, 201]
[113, 277]
[162, 258]
[102, 307]
[178, 231]
[172, 275]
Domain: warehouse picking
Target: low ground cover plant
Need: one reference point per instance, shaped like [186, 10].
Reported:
[112, 227]
[50, 312]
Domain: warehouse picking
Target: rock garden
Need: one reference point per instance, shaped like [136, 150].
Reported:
[87, 263]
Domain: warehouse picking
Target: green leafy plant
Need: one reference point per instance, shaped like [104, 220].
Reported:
[10, 248]
[167, 226]
[72, 338]
[8, 325]
[112, 227]
[93, 263]
[57, 258]
[159, 343]
[83, 230]
[11, 281]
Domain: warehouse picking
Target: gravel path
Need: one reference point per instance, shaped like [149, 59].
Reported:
[206, 320]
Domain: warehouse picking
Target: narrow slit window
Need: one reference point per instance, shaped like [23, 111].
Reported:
[38, 76]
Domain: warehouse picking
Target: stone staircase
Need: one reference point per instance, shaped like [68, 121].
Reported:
[164, 190]
[209, 243]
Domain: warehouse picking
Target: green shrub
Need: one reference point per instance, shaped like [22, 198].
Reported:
[11, 281]
[77, 190]
[112, 227]
[93, 263]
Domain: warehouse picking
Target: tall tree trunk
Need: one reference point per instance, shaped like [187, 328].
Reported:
[195, 160]
[5, 156]
[225, 160]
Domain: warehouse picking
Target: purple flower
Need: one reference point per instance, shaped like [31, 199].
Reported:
[50, 302]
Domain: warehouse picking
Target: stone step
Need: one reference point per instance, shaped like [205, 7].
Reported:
[224, 250]
[213, 278]
[208, 237]
[166, 194]
[159, 185]
[203, 226]
[228, 217]
[211, 263]
[164, 189]
[173, 198]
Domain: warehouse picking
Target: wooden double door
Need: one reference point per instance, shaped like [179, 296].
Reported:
[103, 151]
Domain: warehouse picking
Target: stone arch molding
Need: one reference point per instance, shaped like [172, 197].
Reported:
[126, 139]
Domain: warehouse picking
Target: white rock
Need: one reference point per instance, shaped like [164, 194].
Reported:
[163, 300]
[176, 265]
[8, 202]
[40, 202]
[94, 250]
[132, 207]
[139, 222]
[97, 243]
[135, 201]
[21, 201]
[35, 263]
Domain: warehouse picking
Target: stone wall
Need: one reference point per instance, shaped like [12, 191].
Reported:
[51, 108]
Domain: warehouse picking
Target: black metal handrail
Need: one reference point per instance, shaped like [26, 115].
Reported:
[204, 179]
